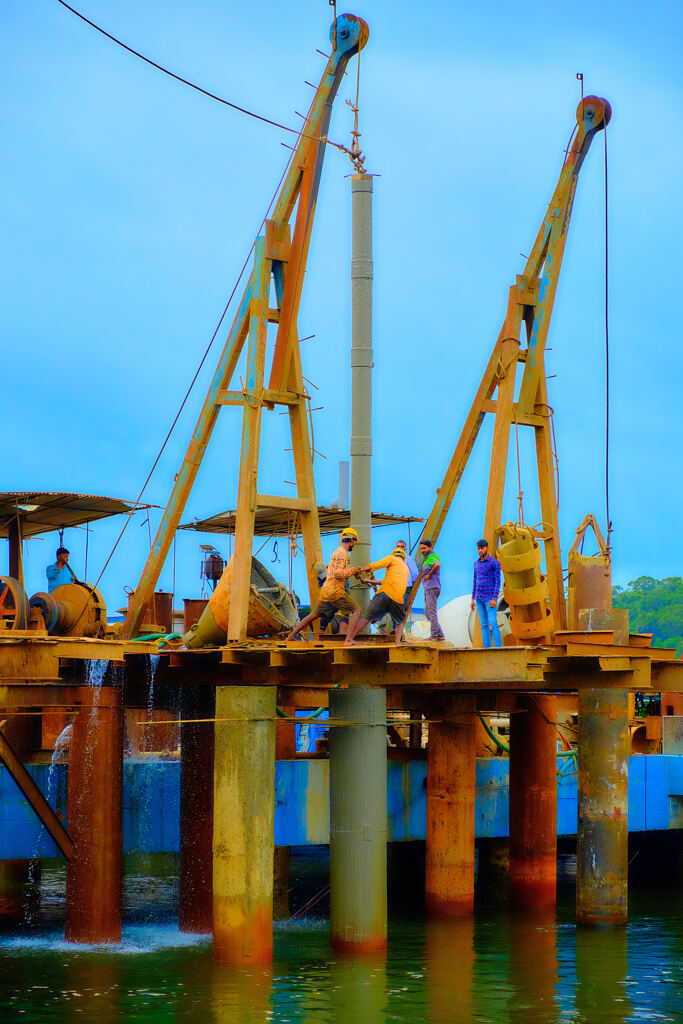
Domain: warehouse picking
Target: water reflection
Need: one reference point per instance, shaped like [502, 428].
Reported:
[92, 990]
[357, 991]
[450, 961]
[533, 968]
[241, 995]
[500, 967]
[601, 976]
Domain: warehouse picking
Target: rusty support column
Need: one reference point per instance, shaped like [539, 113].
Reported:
[533, 802]
[16, 874]
[94, 872]
[195, 896]
[358, 819]
[244, 809]
[602, 829]
[451, 781]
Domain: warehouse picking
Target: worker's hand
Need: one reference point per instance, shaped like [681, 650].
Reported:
[473, 604]
[492, 603]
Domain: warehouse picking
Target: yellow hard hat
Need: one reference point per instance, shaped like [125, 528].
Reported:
[349, 533]
[399, 552]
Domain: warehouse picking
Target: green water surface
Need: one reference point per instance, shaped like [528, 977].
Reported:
[500, 967]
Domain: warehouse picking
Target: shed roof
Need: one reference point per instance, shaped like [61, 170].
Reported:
[43, 511]
[277, 522]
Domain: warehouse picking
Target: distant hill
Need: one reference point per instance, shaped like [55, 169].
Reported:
[655, 606]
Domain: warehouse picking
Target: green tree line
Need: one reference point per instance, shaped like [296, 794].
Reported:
[654, 606]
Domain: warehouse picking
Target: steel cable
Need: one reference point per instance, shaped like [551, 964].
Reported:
[607, 381]
[193, 85]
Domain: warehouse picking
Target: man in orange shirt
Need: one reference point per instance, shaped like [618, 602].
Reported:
[389, 599]
[333, 596]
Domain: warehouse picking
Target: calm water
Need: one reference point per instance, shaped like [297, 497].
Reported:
[501, 967]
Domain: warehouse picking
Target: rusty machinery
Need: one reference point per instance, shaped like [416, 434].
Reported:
[279, 257]
[73, 609]
[530, 304]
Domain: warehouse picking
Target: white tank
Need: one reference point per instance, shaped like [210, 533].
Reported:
[457, 621]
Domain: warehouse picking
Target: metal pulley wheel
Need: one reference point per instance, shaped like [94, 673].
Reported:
[14, 607]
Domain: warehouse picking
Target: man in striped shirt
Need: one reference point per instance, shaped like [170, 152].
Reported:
[485, 591]
[333, 596]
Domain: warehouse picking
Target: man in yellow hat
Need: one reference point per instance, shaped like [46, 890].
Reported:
[389, 599]
[333, 596]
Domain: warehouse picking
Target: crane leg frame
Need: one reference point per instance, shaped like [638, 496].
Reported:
[530, 304]
[274, 255]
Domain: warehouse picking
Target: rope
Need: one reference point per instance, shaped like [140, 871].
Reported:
[198, 88]
[607, 410]
[520, 492]
[355, 155]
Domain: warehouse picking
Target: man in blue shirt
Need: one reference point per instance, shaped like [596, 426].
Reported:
[60, 572]
[485, 591]
[412, 569]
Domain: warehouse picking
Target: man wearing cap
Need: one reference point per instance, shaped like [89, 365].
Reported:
[333, 596]
[431, 587]
[485, 591]
[389, 599]
[60, 572]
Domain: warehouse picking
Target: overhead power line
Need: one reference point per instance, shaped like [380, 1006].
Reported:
[193, 85]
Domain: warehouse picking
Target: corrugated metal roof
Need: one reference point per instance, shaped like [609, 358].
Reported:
[276, 522]
[43, 511]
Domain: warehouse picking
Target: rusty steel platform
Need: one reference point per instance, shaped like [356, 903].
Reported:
[43, 669]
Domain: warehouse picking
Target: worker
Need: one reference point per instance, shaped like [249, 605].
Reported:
[333, 596]
[485, 591]
[412, 569]
[388, 600]
[60, 572]
[431, 586]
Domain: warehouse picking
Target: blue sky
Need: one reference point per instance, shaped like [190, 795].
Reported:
[129, 203]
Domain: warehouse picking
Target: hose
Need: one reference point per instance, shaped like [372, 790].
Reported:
[572, 752]
[163, 638]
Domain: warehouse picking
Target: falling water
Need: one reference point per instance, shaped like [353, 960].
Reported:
[153, 664]
[95, 671]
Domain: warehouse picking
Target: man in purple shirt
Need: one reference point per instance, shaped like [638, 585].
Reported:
[485, 591]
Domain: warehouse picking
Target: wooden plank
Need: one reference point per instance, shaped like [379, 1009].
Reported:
[407, 655]
[272, 397]
[315, 661]
[581, 650]
[598, 636]
[23, 661]
[244, 656]
[289, 503]
[225, 397]
[35, 695]
[34, 796]
[668, 677]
